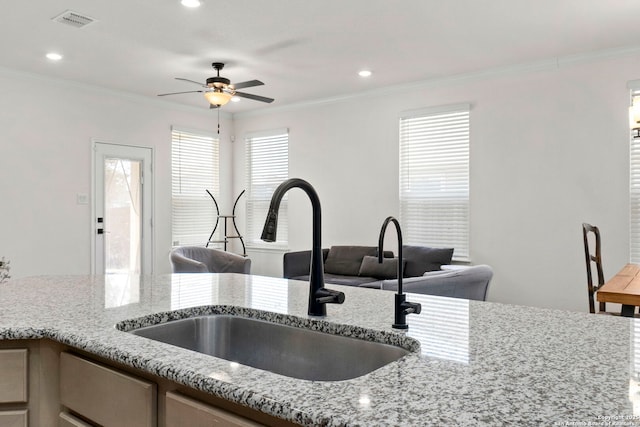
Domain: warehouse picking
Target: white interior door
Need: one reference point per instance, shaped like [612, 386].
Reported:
[122, 235]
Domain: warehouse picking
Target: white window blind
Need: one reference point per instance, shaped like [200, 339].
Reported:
[434, 178]
[634, 195]
[194, 169]
[267, 157]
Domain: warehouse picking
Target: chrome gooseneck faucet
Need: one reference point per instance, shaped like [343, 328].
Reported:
[318, 294]
[402, 306]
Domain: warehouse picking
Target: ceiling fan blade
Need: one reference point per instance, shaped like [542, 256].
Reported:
[177, 93]
[191, 81]
[250, 83]
[254, 97]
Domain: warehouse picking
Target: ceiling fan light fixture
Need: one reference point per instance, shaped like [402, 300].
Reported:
[218, 97]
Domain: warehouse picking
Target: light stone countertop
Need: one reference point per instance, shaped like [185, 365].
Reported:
[480, 364]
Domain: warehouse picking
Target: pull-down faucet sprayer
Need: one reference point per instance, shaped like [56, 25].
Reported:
[318, 294]
[402, 306]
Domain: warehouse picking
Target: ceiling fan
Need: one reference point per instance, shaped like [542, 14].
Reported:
[219, 90]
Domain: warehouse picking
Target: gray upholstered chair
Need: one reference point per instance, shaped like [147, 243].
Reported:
[468, 282]
[197, 259]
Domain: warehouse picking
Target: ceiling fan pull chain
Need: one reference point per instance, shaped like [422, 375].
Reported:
[218, 120]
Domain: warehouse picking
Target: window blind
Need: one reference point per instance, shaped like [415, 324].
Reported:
[634, 195]
[194, 169]
[434, 178]
[267, 157]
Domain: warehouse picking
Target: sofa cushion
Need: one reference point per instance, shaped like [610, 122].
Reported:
[372, 285]
[346, 260]
[421, 259]
[337, 279]
[304, 278]
[388, 269]
[436, 273]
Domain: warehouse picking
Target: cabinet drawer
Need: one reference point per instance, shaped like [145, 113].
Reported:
[104, 395]
[68, 420]
[13, 418]
[183, 411]
[13, 375]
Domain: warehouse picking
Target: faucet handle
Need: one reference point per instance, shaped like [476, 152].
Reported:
[329, 296]
[411, 307]
[402, 309]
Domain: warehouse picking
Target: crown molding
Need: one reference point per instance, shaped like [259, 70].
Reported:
[512, 70]
[141, 99]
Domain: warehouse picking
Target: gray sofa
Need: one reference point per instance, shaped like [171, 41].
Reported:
[468, 282]
[358, 266]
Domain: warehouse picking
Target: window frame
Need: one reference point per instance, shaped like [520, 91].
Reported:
[443, 165]
[273, 143]
[634, 181]
[187, 201]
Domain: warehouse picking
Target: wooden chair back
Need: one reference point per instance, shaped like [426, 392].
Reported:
[593, 257]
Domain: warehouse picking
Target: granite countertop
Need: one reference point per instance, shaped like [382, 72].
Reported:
[479, 364]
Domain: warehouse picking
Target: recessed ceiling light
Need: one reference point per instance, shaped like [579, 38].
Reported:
[235, 99]
[54, 56]
[365, 73]
[191, 3]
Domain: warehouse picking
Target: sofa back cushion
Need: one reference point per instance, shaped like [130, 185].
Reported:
[421, 259]
[346, 260]
[387, 269]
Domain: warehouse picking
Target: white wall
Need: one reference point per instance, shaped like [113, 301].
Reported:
[46, 128]
[549, 150]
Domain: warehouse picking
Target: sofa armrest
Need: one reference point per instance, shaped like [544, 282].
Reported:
[468, 283]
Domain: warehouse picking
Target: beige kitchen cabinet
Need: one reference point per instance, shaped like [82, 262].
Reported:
[13, 375]
[68, 420]
[14, 382]
[13, 418]
[29, 383]
[183, 411]
[105, 395]
[45, 383]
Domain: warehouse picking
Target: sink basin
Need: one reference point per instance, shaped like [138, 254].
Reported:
[286, 350]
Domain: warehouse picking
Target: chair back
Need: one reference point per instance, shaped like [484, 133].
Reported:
[198, 259]
[593, 258]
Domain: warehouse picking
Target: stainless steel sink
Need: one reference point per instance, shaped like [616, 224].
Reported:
[286, 350]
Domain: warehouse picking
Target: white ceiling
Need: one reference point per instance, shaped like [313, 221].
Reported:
[302, 50]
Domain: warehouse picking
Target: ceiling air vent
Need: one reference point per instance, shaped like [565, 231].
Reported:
[74, 19]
